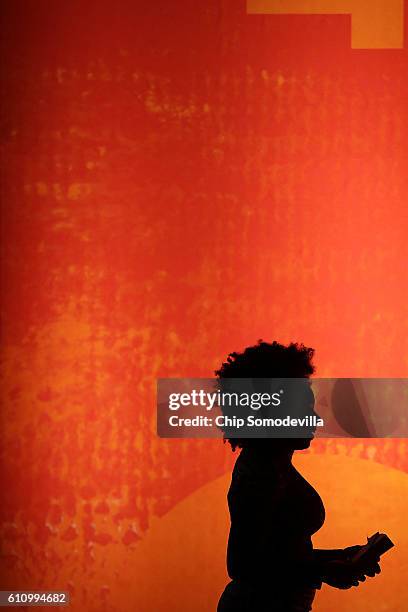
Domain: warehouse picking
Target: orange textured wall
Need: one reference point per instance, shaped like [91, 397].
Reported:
[180, 179]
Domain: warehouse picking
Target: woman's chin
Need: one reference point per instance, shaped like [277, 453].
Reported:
[302, 443]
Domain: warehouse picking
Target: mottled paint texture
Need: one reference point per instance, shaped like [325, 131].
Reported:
[180, 179]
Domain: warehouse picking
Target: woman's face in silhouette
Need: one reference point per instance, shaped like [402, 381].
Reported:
[300, 403]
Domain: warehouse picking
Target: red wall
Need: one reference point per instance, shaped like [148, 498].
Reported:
[179, 180]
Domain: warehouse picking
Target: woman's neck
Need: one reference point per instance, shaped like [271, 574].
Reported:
[275, 450]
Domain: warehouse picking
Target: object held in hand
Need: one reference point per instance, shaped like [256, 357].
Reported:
[377, 545]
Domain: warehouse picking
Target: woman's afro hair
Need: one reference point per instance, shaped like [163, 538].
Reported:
[268, 360]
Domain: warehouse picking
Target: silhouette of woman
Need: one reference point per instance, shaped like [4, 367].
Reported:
[274, 511]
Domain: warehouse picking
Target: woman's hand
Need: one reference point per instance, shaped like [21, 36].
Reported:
[342, 574]
[350, 551]
[369, 567]
[372, 568]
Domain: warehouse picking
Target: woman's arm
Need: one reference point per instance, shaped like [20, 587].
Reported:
[334, 554]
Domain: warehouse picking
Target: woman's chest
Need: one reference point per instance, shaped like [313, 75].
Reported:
[300, 503]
